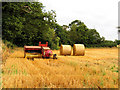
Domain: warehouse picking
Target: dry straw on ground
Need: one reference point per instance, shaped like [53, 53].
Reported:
[98, 68]
[65, 50]
[78, 49]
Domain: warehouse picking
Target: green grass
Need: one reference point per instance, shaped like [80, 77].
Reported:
[86, 64]
[12, 51]
[13, 66]
[73, 64]
[3, 48]
[13, 71]
[104, 73]
[114, 69]
[0, 82]
[24, 72]
[101, 83]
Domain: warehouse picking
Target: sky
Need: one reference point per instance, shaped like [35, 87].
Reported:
[101, 15]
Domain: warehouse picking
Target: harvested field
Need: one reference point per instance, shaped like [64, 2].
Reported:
[98, 68]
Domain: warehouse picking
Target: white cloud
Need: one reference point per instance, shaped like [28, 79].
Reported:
[99, 14]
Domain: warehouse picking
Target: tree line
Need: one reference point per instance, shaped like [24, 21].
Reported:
[27, 23]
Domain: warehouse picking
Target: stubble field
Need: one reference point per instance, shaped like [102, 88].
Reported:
[97, 69]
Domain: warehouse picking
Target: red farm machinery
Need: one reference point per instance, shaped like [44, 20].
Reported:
[42, 50]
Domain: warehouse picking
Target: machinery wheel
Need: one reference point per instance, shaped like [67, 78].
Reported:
[42, 57]
[54, 56]
[24, 54]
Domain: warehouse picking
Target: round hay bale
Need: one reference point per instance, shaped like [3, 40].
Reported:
[78, 50]
[118, 46]
[65, 50]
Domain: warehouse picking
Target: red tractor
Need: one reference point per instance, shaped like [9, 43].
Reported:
[42, 49]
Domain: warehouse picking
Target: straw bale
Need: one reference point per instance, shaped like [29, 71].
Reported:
[65, 50]
[78, 50]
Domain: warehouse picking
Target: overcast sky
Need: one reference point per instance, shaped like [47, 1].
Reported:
[99, 14]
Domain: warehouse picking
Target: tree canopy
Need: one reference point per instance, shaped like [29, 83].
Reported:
[27, 23]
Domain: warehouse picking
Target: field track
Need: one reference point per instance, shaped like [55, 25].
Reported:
[98, 68]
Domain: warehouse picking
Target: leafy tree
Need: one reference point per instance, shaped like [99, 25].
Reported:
[62, 33]
[26, 23]
[117, 42]
[93, 37]
[78, 32]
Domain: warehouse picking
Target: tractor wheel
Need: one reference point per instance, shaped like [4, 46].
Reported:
[54, 56]
[43, 57]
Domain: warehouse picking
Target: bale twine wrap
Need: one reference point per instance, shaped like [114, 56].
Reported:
[79, 49]
[65, 50]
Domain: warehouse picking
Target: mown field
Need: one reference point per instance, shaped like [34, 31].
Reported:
[97, 69]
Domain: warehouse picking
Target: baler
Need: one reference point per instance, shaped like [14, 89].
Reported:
[42, 49]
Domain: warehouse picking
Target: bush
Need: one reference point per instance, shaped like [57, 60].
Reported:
[103, 44]
[108, 44]
[8, 44]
